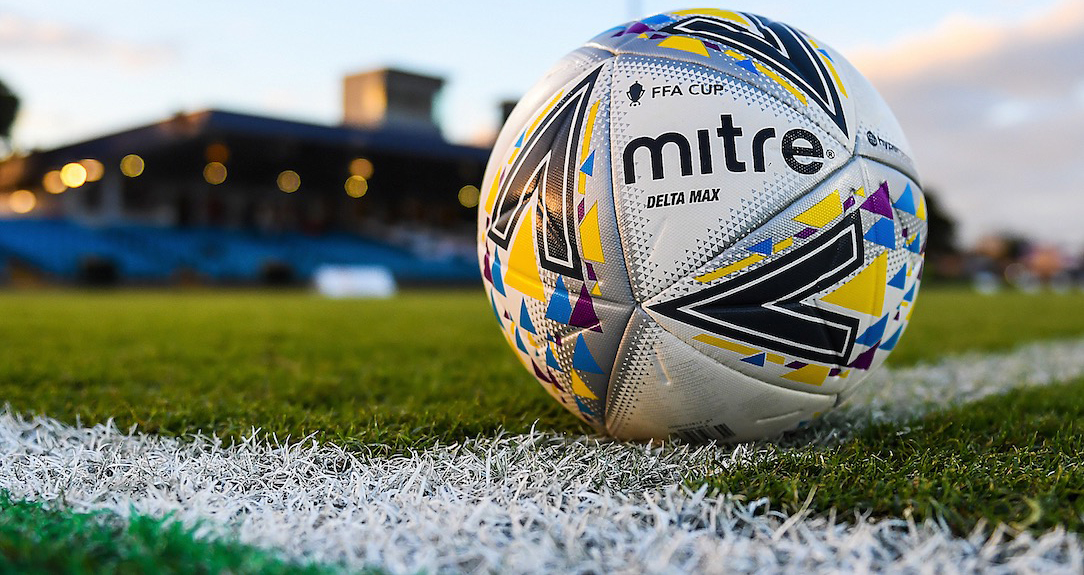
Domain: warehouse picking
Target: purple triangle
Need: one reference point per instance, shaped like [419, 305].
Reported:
[591, 272]
[805, 233]
[878, 202]
[486, 272]
[834, 372]
[579, 210]
[544, 376]
[797, 365]
[638, 28]
[657, 36]
[847, 203]
[712, 46]
[583, 315]
[865, 360]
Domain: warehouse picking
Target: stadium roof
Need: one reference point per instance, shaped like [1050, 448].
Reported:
[259, 147]
[220, 123]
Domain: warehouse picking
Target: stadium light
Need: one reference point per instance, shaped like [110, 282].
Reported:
[214, 173]
[217, 152]
[95, 169]
[289, 181]
[356, 186]
[53, 183]
[132, 165]
[22, 201]
[73, 175]
[468, 196]
[361, 167]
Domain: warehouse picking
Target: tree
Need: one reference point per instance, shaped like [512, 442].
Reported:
[942, 230]
[9, 106]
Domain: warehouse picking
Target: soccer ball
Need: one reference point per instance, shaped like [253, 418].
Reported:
[704, 224]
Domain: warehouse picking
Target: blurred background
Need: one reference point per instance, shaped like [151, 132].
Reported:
[211, 143]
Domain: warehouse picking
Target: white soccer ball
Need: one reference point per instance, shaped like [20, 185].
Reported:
[704, 224]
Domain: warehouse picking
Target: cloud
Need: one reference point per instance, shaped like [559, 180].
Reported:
[29, 37]
[994, 112]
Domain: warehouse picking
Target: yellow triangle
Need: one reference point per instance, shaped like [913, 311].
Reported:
[491, 198]
[865, 292]
[921, 210]
[724, 14]
[595, 290]
[861, 192]
[580, 388]
[522, 273]
[811, 374]
[589, 236]
[823, 212]
[684, 43]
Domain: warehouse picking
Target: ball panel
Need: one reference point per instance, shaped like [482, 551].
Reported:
[730, 322]
[695, 172]
[771, 56]
[664, 386]
[562, 312]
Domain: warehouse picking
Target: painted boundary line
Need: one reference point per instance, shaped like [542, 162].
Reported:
[534, 502]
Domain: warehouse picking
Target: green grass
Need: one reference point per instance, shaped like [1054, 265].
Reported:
[432, 366]
[405, 372]
[34, 539]
[1013, 458]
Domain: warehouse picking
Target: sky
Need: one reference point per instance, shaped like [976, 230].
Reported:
[990, 93]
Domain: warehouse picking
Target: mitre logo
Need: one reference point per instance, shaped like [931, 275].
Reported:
[800, 149]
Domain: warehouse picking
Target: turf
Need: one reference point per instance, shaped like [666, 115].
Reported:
[1011, 458]
[35, 539]
[399, 373]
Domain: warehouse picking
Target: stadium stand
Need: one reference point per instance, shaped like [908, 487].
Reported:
[223, 197]
[143, 254]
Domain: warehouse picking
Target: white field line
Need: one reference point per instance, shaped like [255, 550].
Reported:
[528, 503]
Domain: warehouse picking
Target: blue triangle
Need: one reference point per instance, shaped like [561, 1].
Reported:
[583, 407]
[915, 247]
[588, 166]
[551, 360]
[883, 232]
[657, 20]
[748, 65]
[525, 318]
[519, 142]
[891, 342]
[762, 247]
[757, 360]
[873, 335]
[559, 308]
[519, 343]
[906, 201]
[899, 280]
[582, 358]
[495, 271]
[910, 295]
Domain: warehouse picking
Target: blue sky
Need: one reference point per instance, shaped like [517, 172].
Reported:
[989, 92]
[86, 67]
